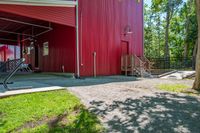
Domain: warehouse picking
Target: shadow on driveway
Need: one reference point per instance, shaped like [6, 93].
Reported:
[162, 113]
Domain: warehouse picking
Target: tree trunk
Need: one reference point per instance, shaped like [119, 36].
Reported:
[196, 84]
[167, 38]
[187, 26]
[186, 41]
[186, 46]
[185, 56]
[194, 54]
[167, 55]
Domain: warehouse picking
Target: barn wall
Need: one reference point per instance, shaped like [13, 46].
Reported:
[61, 50]
[102, 24]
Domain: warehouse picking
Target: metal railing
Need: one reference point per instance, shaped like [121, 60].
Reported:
[172, 63]
[9, 65]
[9, 68]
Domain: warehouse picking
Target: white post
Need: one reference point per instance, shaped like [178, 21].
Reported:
[77, 40]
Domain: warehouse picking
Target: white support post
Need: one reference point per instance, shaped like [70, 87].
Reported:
[77, 41]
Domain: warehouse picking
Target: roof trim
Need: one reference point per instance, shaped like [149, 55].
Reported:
[53, 3]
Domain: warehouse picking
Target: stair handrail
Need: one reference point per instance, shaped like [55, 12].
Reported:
[141, 63]
[19, 62]
[3, 66]
[150, 63]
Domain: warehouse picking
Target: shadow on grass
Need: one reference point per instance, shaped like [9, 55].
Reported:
[164, 112]
[191, 92]
[2, 122]
[85, 122]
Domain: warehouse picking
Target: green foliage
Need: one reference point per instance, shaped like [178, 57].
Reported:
[173, 87]
[178, 88]
[182, 30]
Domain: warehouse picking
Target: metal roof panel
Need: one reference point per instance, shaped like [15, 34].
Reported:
[62, 3]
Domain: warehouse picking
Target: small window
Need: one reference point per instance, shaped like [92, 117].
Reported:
[45, 48]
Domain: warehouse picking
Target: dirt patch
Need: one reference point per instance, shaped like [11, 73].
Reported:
[51, 122]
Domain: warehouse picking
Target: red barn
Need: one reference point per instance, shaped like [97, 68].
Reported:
[84, 37]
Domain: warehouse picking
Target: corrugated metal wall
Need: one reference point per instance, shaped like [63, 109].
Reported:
[61, 50]
[60, 15]
[102, 23]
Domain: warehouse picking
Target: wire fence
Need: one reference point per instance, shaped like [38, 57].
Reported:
[173, 63]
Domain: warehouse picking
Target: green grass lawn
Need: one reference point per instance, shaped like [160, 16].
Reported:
[178, 88]
[173, 87]
[56, 111]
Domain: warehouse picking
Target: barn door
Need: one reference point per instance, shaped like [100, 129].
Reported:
[124, 48]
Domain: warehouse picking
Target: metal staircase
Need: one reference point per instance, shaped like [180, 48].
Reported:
[134, 65]
[9, 68]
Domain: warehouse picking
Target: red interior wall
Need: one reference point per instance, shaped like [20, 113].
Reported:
[102, 23]
[61, 50]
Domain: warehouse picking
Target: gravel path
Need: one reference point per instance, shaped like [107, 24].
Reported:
[137, 107]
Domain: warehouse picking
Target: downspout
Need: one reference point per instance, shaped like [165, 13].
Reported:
[77, 40]
[143, 45]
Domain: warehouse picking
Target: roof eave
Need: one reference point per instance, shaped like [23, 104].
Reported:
[53, 4]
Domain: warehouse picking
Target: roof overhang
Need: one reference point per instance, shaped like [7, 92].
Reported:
[53, 3]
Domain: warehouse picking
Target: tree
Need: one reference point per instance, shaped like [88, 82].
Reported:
[187, 11]
[168, 7]
[182, 31]
[196, 84]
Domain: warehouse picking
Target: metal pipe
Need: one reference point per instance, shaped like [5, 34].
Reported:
[16, 33]
[25, 39]
[36, 35]
[77, 40]
[43, 32]
[95, 70]
[81, 39]
[4, 39]
[25, 23]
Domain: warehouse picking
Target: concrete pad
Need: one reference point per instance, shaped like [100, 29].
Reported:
[26, 91]
[41, 82]
[179, 75]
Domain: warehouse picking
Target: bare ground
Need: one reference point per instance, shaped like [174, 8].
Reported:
[136, 106]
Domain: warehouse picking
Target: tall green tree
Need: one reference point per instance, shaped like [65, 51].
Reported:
[181, 32]
[188, 16]
[168, 8]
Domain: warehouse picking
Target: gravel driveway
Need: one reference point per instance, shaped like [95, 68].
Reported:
[137, 107]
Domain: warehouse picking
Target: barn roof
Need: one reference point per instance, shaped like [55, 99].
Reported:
[62, 3]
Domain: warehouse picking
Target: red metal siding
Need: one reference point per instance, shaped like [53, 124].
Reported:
[102, 23]
[61, 50]
[60, 15]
